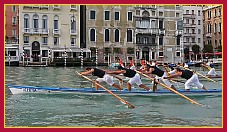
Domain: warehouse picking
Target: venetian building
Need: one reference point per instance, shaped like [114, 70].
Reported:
[212, 20]
[49, 32]
[158, 33]
[110, 32]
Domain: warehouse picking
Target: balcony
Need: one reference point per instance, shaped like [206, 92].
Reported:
[73, 32]
[39, 31]
[190, 34]
[189, 25]
[179, 33]
[56, 31]
[189, 16]
[147, 30]
[145, 44]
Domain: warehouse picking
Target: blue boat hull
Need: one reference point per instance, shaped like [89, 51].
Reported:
[17, 89]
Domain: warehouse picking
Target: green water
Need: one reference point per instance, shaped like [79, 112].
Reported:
[77, 110]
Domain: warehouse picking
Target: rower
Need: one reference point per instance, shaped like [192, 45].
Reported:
[160, 73]
[189, 76]
[134, 77]
[211, 69]
[102, 77]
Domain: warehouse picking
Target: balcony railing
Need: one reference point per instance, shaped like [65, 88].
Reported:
[73, 32]
[36, 31]
[56, 31]
[147, 30]
[146, 44]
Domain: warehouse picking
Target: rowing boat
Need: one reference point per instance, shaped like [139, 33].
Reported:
[18, 89]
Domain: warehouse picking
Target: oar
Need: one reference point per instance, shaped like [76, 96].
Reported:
[192, 101]
[116, 96]
[197, 73]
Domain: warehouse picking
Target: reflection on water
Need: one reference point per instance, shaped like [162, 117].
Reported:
[75, 110]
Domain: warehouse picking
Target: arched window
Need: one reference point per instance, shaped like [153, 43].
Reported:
[92, 35]
[56, 22]
[35, 22]
[73, 24]
[26, 21]
[107, 35]
[44, 22]
[117, 35]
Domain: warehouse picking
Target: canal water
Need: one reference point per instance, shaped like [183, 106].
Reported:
[78, 110]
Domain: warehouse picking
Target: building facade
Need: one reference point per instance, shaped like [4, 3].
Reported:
[212, 19]
[110, 32]
[158, 33]
[48, 32]
[12, 34]
[193, 29]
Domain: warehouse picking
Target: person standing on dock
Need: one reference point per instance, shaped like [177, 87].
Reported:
[102, 77]
[133, 75]
[192, 78]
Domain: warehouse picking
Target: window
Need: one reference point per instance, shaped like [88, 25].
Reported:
[107, 15]
[199, 31]
[161, 24]
[215, 13]
[26, 21]
[215, 27]
[178, 53]
[187, 30]
[117, 16]
[14, 33]
[14, 9]
[44, 40]
[129, 35]
[220, 27]
[36, 22]
[73, 25]
[44, 53]
[92, 15]
[193, 40]
[193, 12]
[117, 35]
[199, 40]
[56, 22]
[137, 12]
[199, 12]
[187, 40]
[73, 41]
[92, 35]
[26, 39]
[129, 16]
[160, 54]
[56, 41]
[178, 40]
[161, 41]
[44, 22]
[187, 11]
[177, 14]
[193, 31]
[107, 35]
[187, 21]
[14, 20]
[193, 22]
[199, 22]
[219, 11]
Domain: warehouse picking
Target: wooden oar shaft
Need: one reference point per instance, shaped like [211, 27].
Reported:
[116, 96]
[197, 73]
[192, 101]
